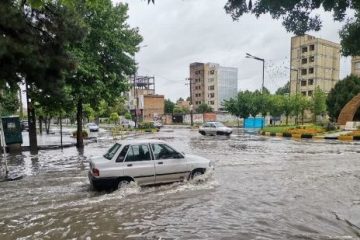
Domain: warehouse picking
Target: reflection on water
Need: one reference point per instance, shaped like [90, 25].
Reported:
[262, 188]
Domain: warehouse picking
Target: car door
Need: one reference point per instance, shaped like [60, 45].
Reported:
[139, 165]
[170, 165]
[212, 129]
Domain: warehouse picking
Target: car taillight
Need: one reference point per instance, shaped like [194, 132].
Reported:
[96, 172]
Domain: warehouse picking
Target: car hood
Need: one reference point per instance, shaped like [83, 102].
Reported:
[196, 158]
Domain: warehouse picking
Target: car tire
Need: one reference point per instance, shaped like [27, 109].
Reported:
[202, 133]
[196, 173]
[123, 183]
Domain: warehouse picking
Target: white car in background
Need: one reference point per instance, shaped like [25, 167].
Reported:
[146, 162]
[127, 123]
[214, 128]
[92, 127]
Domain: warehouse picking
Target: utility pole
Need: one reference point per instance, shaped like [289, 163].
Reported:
[248, 55]
[191, 100]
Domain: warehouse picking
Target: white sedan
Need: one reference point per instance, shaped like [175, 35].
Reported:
[92, 127]
[146, 162]
[214, 128]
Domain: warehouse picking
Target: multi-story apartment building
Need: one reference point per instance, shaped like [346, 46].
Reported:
[355, 66]
[211, 83]
[314, 62]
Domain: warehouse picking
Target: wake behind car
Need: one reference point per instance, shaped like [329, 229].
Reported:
[214, 128]
[146, 162]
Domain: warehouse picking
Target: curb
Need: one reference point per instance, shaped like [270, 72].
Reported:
[310, 136]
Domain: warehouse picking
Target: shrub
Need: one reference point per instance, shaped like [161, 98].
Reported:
[356, 137]
[306, 135]
[146, 125]
[287, 134]
[84, 134]
[272, 134]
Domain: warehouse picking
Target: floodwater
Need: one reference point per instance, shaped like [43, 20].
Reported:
[262, 188]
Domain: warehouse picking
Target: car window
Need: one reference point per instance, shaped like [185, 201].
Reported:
[163, 151]
[111, 152]
[219, 124]
[122, 154]
[206, 125]
[138, 153]
[212, 125]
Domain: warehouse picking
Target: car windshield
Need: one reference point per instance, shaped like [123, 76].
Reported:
[111, 152]
[92, 124]
[218, 124]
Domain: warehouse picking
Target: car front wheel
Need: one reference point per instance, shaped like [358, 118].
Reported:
[196, 173]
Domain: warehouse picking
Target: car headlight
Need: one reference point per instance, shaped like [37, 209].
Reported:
[211, 164]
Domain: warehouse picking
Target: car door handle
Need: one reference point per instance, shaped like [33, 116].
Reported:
[160, 162]
[129, 165]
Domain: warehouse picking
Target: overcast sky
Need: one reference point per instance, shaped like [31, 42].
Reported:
[179, 32]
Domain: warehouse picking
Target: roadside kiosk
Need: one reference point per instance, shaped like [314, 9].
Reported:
[12, 132]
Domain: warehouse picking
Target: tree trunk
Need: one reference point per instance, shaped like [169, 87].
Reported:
[40, 124]
[32, 122]
[79, 136]
[47, 125]
[61, 136]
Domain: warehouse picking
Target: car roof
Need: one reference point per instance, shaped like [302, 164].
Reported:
[140, 141]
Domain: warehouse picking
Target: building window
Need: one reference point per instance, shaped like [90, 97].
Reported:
[303, 82]
[212, 102]
[310, 81]
[211, 87]
[311, 59]
[311, 70]
[310, 93]
[303, 71]
[304, 60]
[312, 47]
[212, 95]
[304, 50]
[303, 93]
[212, 72]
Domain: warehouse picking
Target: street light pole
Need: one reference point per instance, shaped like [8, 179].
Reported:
[191, 102]
[135, 92]
[248, 55]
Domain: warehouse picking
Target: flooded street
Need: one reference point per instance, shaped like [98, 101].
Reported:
[262, 188]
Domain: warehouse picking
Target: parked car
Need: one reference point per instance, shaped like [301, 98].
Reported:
[157, 124]
[127, 123]
[146, 162]
[214, 128]
[24, 125]
[92, 127]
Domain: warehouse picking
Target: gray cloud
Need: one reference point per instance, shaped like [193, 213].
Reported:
[179, 32]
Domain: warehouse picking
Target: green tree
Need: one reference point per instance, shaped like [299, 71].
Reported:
[9, 101]
[204, 108]
[298, 16]
[318, 104]
[104, 57]
[180, 110]
[169, 106]
[114, 117]
[33, 50]
[127, 116]
[341, 94]
[288, 106]
[284, 89]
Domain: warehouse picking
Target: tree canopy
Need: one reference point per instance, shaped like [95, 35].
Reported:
[341, 94]
[298, 16]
